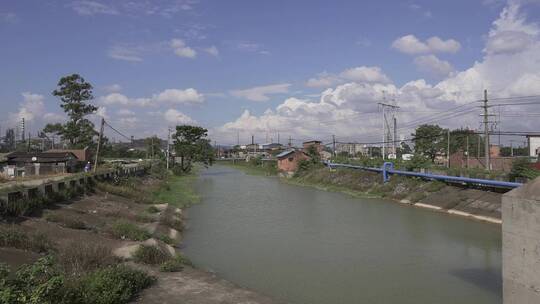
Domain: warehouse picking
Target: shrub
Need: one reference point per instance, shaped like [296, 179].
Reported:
[43, 282]
[152, 209]
[14, 237]
[65, 221]
[79, 257]
[123, 229]
[175, 264]
[521, 168]
[166, 239]
[172, 222]
[150, 255]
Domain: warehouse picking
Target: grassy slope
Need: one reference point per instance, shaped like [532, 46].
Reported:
[178, 191]
[249, 168]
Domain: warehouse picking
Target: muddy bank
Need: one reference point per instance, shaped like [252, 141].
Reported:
[113, 226]
[476, 204]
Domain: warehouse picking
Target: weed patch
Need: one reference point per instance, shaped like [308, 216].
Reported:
[13, 237]
[151, 255]
[126, 230]
[175, 264]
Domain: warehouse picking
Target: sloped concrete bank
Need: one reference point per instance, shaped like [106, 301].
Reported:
[471, 203]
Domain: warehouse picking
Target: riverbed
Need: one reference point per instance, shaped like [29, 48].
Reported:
[307, 246]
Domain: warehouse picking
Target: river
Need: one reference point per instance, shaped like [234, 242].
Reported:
[306, 246]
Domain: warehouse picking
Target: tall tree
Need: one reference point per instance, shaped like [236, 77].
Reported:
[429, 140]
[75, 94]
[191, 145]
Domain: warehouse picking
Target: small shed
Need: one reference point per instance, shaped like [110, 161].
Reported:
[288, 160]
[42, 163]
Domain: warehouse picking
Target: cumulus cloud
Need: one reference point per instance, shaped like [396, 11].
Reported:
[176, 117]
[433, 65]
[261, 93]
[181, 49]
[508, 68]
[356, 74]
[172, 96]
[409, 44]
[187, 96]
[212, 50]
[32, 109]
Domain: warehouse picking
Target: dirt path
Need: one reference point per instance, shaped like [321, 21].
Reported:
[193, 286]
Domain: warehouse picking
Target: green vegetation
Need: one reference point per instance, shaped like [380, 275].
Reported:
[44, 282]
[521, 168]
[177, 190]
[67, 221]
[153, 209]
[80, 257]
[175, 264]
[16, 238]
[75, 94]
[151, 255]
[166, 239]
[191, 145]
[125, 230]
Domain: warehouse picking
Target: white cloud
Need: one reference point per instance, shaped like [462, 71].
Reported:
[365, 74]
[125, 53]
[181, 49]
[252, 47]
[356, 74]
[125, 112]
[174, 96]
[409, 44]
[188, 96]
[212, 50]
[113, 88]
[261, 93]
[32, 109]
[349, 110]
[433, 65]
[89, 8]
[176, 117]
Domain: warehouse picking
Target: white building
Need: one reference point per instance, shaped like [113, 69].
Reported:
[534, 145]
[351, 148]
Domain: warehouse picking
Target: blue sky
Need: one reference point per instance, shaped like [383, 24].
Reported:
[157, 63]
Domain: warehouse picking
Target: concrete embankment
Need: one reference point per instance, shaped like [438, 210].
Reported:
[472, 203]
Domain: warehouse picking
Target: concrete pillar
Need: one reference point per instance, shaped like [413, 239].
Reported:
[521, 244]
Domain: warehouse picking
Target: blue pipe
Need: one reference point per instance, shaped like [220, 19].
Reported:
[388, 168]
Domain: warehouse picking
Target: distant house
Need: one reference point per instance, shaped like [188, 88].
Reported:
[288, 160]
[317, 144]
[40, 163]
[83, 155]
[534, 145]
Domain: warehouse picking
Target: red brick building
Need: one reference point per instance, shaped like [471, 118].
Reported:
[288, 160]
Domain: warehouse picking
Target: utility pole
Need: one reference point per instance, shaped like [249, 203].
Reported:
[448, 148]
[467, 140]
[386, 136]
[334, 145]
[99, 143]
[290, 142]
[29, 139]
[394, 139]
[278, 138]
[168, 146]
[486, 131]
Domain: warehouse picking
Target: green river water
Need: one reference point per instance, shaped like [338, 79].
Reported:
[302, 245]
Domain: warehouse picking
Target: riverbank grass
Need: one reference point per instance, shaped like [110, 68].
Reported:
[177, 190]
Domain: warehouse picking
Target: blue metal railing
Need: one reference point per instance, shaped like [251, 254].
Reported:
[388, 168]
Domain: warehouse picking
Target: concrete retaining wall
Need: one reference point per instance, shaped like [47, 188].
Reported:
[48, 186]
[521, 244]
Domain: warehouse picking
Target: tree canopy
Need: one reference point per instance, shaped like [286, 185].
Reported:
[191, 145]
[75, 94]
[429, 140]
